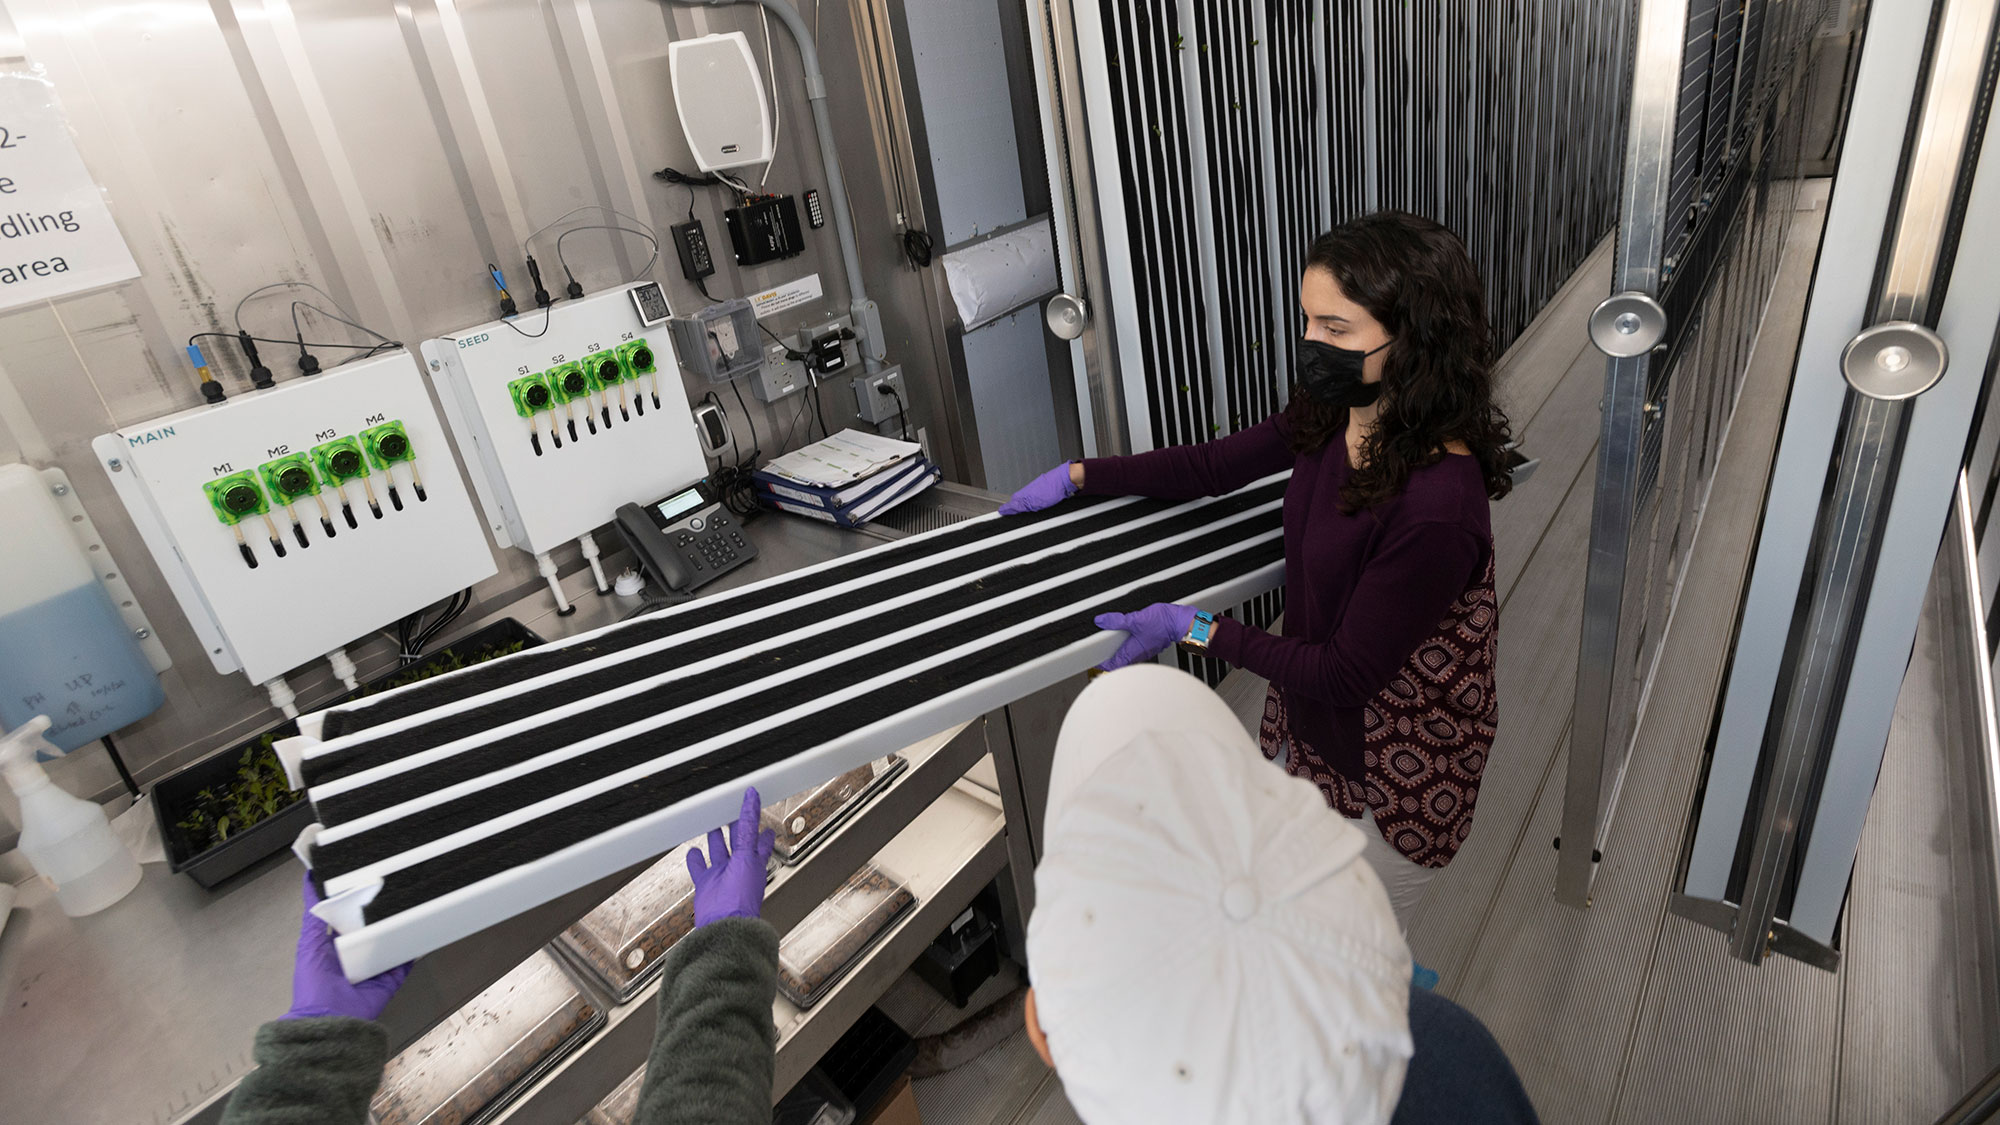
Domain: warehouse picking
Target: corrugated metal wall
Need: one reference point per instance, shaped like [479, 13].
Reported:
[384, 152]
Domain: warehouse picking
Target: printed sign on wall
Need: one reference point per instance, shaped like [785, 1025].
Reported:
[56, 235]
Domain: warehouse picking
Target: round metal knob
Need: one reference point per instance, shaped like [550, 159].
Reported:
[1894, 360]
[1628, 324]
[1067, 316]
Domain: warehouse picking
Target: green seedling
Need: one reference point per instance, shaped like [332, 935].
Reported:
[257, 792]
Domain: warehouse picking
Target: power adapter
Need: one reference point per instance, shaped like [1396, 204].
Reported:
[691, 243]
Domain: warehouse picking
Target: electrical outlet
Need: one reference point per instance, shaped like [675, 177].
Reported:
[873, 402]
[778, 377]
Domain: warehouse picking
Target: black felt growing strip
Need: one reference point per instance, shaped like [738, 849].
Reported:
[472, 809]
[545, 835]
[372, 753]
[1015, 531]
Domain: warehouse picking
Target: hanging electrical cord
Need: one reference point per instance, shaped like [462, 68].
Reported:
[734, 485]
[277, 285]
[902, 416]
[414, 633]
[791, 353]
[575, 290]
[270, 340]
[297, 305]
[548, 313]
[777, 107]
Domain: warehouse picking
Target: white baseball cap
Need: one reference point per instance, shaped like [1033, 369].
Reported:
[1207, 943]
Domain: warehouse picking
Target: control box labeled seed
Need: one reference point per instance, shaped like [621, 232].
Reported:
[565, 413]
[290, 521]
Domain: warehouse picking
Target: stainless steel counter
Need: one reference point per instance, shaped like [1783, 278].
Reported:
[146, 1011]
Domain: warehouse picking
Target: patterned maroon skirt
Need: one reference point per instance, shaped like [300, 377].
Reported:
[1425, 737]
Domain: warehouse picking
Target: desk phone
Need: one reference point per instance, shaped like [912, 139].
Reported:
[686, 540]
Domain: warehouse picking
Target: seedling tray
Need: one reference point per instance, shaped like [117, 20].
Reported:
[175, 794]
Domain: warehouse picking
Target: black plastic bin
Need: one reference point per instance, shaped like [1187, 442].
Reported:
[175, 793]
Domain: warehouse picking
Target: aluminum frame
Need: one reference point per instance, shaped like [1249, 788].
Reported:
[1713, 108]
[1851, 533]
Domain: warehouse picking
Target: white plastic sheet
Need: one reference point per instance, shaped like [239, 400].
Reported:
[993, 278]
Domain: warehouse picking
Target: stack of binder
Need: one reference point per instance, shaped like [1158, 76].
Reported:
[847, 479]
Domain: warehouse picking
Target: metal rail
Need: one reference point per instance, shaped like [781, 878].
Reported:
[1713, 113]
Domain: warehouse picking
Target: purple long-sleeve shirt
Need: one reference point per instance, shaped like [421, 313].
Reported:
[1362, 589]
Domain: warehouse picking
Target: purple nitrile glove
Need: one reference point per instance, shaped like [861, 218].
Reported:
[320, 988]
[1045, 491]
[1152, 629]
[729, 882]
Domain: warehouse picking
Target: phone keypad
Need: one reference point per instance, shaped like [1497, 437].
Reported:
[716, 547]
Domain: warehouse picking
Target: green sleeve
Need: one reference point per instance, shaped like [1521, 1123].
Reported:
[715, 1048]
[318, 1071]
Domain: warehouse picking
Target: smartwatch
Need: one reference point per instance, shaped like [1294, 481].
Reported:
[1202, 629]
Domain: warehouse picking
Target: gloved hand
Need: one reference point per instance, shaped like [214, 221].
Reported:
[319, 988]
[729, 882]
[1152, 629]
[1045, 491]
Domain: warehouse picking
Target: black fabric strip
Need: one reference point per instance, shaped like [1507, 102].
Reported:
[525, 705]
[545, 835]
[477, 807]
[500, 673]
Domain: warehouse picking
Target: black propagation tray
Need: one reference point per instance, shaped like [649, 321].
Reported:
[175, 793]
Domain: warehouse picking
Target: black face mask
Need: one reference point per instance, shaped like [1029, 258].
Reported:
[1332, 376]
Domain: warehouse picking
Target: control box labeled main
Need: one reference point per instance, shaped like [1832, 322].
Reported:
[564, 413]
[292, 520]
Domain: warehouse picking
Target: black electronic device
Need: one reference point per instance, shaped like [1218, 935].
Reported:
[826, 355]
[765, 230]
[685, 541]
[691, 243]
[815, 214]
[651, 304]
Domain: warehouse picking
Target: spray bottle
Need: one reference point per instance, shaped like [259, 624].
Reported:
[69, 840]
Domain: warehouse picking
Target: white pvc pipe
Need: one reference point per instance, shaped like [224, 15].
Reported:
[282, 697]
[546, 566]
[343, 668]
[589, 548]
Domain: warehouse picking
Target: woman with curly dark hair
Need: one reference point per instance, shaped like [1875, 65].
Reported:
[1381, 690]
